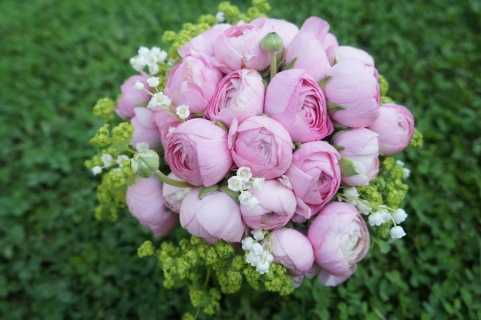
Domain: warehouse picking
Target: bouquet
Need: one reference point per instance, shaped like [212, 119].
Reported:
[266, 147]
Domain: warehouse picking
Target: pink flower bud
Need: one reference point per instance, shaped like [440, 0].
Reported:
[192, 82]
[131, 97]
[345, 53]
[330, 45]
[214, 217]
[395, 127]
[196, 152]
[353, 93]
[145, 130]
[340, 238]
[307, 48]
[292, 249]
[261, 144]
[315, 176]
[295, 100]
[359, 150]
[145, 202]
[238, 96]
[275, 206]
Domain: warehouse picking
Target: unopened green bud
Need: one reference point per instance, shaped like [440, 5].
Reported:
[146, 163]
[272, 43]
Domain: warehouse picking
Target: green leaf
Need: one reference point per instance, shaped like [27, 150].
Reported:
[347, 167]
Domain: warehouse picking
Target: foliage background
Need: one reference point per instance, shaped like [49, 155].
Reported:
[56, 261]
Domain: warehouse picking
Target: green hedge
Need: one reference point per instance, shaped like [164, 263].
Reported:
[56, 261]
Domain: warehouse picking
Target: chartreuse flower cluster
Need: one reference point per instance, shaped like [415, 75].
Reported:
[208, 271]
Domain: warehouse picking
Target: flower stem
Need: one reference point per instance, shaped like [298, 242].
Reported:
[176, 183]
[230, 193]
[273, 65]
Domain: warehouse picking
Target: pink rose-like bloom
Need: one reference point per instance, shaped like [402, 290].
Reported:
[286, 30]
[239, 47]
[131, 97]
[340, 239]
[145, 130]
[196, 152]
[354, 92]
[295, 100]
[330, 45]
[204, 42]
[345, 53]
[165, 120]
[359, 150]
[292, 249]
[395, 127]
[276, 206]
[331, 280]
[315, 176]
[214, 217]
[146, 203]
[192, 82]
[238, 96]
[308, 48]
[261, 144]
[174, 196]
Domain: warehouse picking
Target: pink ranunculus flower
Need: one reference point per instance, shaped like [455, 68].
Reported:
[261, 144]
[275, 206]
[145, 130]
[330, 280]
[197, 152]
[131, 97]
[359, 149]
[330, 45]
[395, 127]
[174, 196]
[340, 239]
[146, 203]
[315, 176]
[353, 93]
[204, 43]
[214, 217]
[286, 30]
[192, 82]
[164, 121]
[239, 95]
[292, 249]
[307, 48]
[239, 47]
[345, 53]
[295, 100]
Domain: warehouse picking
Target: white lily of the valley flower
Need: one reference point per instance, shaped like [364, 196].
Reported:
[182, 111]
[399, 216]
[258, 234]
[406, 173]
[247, 243]
[378, 218]
[153, 82]
[351, 194]
[363, 206]
[107, 160]
[142, 146]
[121, 159]
[397, 232]
[244, 173]
[235, 184]
[96, 170]
[220, 17]
[159, 100]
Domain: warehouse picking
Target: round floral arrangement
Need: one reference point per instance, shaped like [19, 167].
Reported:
[266, 147]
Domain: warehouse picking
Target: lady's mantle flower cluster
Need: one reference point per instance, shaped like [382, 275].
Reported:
[257, 254]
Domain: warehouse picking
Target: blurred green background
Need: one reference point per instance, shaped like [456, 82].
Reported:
[58, 262]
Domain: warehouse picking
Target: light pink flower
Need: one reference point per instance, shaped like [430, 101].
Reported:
[295, 100]
[174, 196]
[315, 176]
[192, 82]
[286, 30]
[359, 150]
[276, 206]
[261, 144]
[331, 280]
[345, 53]
[145, 130]
[340, 239]
[239, 47]
[131, 97]
[145, 202]
[164, 121]
[307, 48]
[196, 152]
[353, 93]
[395, 127]
[214, 217]
[292, 249]
[204, 43]
[330, 45]
[238, 96]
